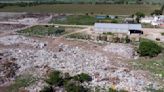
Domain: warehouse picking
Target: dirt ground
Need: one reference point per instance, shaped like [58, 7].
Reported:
[153, 33]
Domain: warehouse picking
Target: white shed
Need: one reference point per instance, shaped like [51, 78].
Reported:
[117, 28]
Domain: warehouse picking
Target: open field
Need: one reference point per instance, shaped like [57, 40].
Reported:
[85, 8]
[86, 1]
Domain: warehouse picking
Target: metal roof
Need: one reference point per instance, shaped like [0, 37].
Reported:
[118, 26]
[135, 26]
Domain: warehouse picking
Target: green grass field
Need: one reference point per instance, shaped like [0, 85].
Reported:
[84, 20]
[77, 20]
[85, 8]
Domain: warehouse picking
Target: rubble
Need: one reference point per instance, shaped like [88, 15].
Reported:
[75, 60]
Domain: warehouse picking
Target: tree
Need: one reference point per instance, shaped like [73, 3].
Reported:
[157, 12]
[139, 15]
[2, 5]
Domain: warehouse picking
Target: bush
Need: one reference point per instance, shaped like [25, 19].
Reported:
[114, 21]
[149, 48]
[108, 33]
[114, 90]
[70, 84]
[21, 81]
[55, 78]
[2, 5]
[47, 89]
[80, 36]
[162, 33]
[75, 87]
[157, 12]
[127, 39]
[82, 77]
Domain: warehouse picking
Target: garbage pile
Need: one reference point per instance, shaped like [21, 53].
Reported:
[75, 60]
[122, 50]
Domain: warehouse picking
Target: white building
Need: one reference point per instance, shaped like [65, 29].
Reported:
[155, 21]
[147, 20]
[118, 28]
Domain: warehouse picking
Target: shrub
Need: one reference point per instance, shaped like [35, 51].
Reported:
[21, 81]
[114, 90]
[108, 33]
[47, 89]
[70, 84]
[149, 48]
[162, 33]
[75, 87]
[55, 78]
[2, 5]
[80, 36]
[157, 12]
[82, 77]
[114, 21]
[127, 39]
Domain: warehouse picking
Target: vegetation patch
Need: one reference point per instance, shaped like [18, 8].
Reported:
[114, 90]
[83, 36]
[21, 81]
[43, 31]
[86, 19]
[70, 83]
[149, 48]
[162, 33]
[108, 33]
[82, 77]
[154, 65]
[76, 20]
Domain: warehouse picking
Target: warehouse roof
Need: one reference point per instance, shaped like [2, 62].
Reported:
[118, 26]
